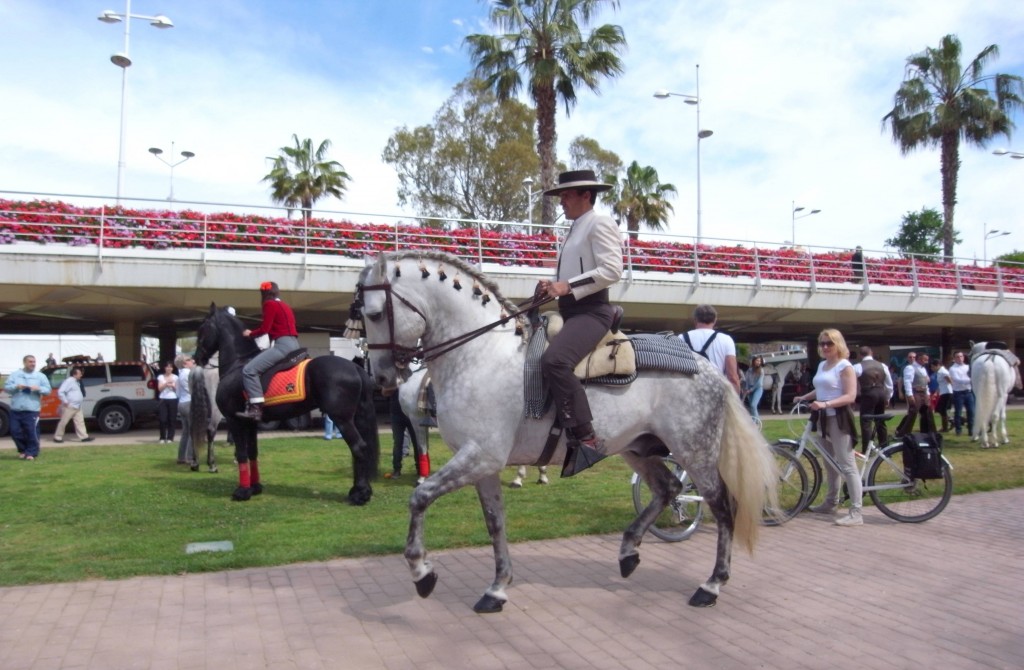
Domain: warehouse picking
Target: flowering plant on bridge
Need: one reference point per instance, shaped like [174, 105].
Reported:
[56, 222]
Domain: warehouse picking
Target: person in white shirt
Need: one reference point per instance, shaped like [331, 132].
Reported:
[71, 397]
[915, 386]
[835, 391]
[963, 395]
[945, 384]
[714, 345]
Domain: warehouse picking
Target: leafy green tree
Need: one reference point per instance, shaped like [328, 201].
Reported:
[921, 234]
[542, 47]
[943, 104]
[586, 154]
[640, 198]
[301, 175]
[470, 163]
[1013, 259]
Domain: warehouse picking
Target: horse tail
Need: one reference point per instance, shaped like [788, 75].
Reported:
[748, 470]
[986, 393]
[200, 408]
[365, 421]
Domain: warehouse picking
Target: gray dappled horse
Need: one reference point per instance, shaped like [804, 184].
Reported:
[419, 305]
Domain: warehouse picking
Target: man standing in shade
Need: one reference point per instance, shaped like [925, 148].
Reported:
[963, 395]
[26, 388]
[875, 390]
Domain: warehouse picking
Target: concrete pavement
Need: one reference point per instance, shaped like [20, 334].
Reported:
[947, 593]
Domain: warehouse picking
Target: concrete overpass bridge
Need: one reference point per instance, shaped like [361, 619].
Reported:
[56, 288]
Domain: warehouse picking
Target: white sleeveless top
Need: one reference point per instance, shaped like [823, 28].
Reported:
[828, 384]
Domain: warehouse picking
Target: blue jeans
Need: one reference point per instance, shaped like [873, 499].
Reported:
[330, 432]
[25, 432]
[963, 400]
[754, 400]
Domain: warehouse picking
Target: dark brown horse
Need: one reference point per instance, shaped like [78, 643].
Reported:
[341, 390]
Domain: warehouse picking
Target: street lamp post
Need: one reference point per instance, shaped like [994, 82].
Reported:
[123, 61]
[1012, 154]
[702, 134]
[157, 151]
[528, 185]
[984, 244]
[802, 216]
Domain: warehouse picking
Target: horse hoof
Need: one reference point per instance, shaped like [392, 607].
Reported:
[543, 479]
[425, 586]
[194, 468]
[516, 484]
[241, 494]
[257, 489]
[628, 564]
[213, 471]
[488, 605]
[359, 496]
[702, 598]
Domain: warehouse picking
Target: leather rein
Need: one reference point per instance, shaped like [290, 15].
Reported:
[403, 355]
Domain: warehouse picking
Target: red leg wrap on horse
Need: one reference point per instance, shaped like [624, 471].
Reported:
[423, 465]
[243, 475]
[254, 470]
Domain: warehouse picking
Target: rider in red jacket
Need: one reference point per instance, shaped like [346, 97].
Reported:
[279, 324]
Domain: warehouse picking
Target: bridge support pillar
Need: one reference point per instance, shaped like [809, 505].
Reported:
[127, 341]
[167, 335]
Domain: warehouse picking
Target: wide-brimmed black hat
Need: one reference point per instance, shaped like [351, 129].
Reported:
[583, 179]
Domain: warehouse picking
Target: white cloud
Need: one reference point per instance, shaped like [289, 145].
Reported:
[794, 91]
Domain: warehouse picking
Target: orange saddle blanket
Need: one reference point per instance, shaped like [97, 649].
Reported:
[287, 386]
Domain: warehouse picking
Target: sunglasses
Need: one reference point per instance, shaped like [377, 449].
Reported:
[826, 344]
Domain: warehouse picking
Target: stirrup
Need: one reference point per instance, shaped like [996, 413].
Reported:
[252, 413]
[579, 456]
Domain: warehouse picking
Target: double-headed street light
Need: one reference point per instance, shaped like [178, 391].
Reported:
[984, 243]
[1006, 152]
[157, 151]
[702, 134]
[802, 216]
[123, 61]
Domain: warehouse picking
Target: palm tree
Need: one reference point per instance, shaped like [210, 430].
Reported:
[542, 41]
[640, 199]
[300, 176]
[942, 104]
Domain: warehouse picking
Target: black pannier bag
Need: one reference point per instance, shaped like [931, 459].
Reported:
[922, 455]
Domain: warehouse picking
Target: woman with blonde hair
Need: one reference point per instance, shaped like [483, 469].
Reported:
[835, 391]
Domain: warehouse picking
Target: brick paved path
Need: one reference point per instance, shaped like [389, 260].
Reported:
[946, 594]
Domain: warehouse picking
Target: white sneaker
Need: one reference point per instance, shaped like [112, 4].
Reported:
[824, 508]
[854, 518]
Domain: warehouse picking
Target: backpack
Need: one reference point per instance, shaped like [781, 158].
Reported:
[703, 350]
[922, 455]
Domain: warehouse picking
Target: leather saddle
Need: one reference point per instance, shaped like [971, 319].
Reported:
[613, 355]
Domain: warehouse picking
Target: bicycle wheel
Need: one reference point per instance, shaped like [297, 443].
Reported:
[681, 518]
[902, 498]
[792, 489]
[811, 465]
[798, 417]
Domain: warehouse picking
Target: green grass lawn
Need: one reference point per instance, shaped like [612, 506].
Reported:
[95, 512]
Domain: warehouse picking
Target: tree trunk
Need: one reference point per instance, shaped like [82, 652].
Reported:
[950, 171]
[546, 137]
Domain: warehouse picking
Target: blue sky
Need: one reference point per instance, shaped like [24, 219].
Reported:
[793, 90]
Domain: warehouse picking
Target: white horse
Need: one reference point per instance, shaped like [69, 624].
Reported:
[992, 377]
[409, 397]
[415, 306]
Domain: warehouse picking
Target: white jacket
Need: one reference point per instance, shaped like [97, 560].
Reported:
[591, 255]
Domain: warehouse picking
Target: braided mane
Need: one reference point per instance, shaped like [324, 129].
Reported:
[448, 260]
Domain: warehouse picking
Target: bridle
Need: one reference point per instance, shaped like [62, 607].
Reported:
[403, 355]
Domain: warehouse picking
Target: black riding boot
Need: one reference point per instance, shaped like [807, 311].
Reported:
[252, 412]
